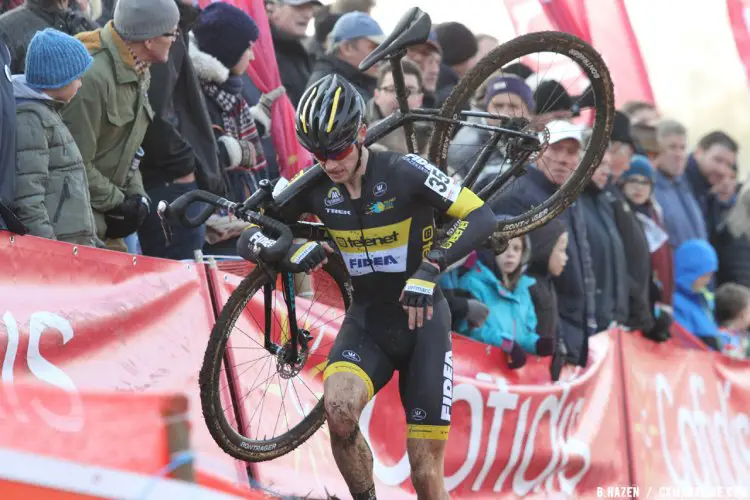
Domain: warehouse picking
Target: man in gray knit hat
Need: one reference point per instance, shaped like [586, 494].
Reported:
[109, 116]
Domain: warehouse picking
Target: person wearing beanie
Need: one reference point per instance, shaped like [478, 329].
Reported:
[622, 146]
[180, 151]
[547, 261]
[18, 26]
[111, 113]
[289, 20]
[352, 38]
[221, 49]
[505, 95]
[637, 187]
[52, 193]
[460, 48]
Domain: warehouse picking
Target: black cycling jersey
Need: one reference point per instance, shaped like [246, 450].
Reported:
[385, 234]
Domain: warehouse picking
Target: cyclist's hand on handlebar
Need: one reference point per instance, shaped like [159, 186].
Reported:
[308, 257]
[417, 295]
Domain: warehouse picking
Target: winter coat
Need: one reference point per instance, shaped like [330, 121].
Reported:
[575, 286]
[241, 182]
[662, 267]
[710, 206]
[638, 262]
[682, 214]
[465, 148]
[511, 316]
[18, 27]
[180, 141]
[330, 64]
[694, 310]
[733, 251]
[108, 119]
[295, 64]
[52, 193]
[7, 132]
[607, 258]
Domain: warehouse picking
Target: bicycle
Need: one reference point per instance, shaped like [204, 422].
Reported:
[291, 346]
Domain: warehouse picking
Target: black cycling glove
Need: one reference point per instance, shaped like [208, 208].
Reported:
[303, 258]
[420, 288]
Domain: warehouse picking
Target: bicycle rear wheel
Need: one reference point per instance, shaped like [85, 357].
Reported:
[591, 66]
[247, 313]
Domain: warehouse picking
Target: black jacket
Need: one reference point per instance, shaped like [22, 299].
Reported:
[733, 253]
[607, 258]
[7, 132]
[18, 27]
[180, 140]
[575, 286]
[638, 263]
[711, 207]
[295, 64]
[329, 64]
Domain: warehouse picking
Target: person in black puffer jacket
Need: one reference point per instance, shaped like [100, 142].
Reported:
[18, 26]
[732, 241]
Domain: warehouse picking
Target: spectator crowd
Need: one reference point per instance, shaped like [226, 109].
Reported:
[110, 106]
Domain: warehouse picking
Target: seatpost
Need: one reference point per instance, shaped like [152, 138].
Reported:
[403, 103]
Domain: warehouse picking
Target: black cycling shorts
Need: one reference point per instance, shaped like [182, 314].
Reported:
[375, 340]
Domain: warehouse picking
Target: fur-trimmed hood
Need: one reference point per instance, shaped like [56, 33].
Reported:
[207, 67]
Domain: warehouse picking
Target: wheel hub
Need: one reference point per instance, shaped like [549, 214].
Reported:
[289, 365]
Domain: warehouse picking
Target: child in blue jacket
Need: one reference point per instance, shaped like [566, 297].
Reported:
[695, 263]
[499, 283]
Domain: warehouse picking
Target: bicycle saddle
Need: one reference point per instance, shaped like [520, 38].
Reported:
[412, 29]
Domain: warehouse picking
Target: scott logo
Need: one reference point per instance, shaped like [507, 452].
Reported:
[351, 356]
[418, 414]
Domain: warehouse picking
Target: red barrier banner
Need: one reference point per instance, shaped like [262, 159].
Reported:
[739, 19]
[688, 420]
[79, 318]
[513, 434]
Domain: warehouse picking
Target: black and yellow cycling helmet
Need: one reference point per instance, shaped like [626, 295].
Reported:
[329, 115]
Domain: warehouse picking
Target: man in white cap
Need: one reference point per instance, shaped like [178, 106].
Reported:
[109, 116]
[353, 37]
[575, 286]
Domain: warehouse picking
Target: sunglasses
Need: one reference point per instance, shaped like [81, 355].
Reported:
[340, 155]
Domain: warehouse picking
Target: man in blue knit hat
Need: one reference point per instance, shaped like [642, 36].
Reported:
[52, 193]
[109, 117]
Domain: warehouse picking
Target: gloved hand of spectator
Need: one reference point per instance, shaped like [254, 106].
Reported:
[127, 217]
[516, 354]
[660, 331]
[262, 111]
[240, 154]
[558, 360]
[476, 313]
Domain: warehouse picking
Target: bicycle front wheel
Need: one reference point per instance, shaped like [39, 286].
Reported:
[256, 403]
[539, 50]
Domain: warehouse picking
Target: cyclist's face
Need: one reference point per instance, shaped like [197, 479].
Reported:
[341, 170]
[559, 160]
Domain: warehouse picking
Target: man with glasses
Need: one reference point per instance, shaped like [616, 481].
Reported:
[111, 113]
[384, 103]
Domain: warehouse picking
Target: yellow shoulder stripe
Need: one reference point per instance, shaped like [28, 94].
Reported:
[466, 203]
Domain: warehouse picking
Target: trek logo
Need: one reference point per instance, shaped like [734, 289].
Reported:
[380, 189]
[445, 412]
[418, 414]
[348, 242]
[338, 211]
[379, 207]
[385, 260]
[333, 197]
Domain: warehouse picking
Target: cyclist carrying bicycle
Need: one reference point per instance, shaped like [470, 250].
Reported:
[379, 209]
